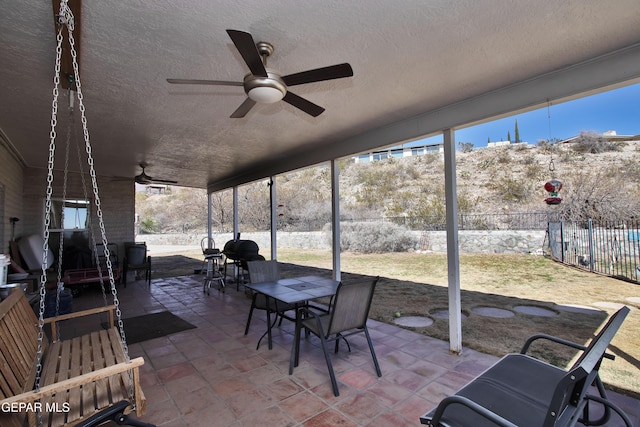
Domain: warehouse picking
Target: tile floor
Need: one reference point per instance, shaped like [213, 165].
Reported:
[214, 376]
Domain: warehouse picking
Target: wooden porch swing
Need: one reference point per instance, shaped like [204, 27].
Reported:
[65, 382]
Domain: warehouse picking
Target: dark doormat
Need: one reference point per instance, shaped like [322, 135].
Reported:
[154, 325]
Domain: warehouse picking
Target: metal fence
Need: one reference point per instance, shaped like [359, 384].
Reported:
[513, 221]
[611, 248]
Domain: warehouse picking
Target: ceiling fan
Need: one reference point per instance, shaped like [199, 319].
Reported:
[145, 179]
[265, 85]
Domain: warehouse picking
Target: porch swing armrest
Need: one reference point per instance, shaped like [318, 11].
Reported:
[51, 389]
[111, 309]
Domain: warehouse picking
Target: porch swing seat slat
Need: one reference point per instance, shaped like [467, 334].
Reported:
[80, 376]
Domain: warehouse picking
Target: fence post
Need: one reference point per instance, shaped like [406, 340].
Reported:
[591, 251]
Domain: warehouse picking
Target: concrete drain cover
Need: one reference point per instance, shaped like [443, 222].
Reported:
[493, 312]
[535, 310]
[413, 321]
[444, 314]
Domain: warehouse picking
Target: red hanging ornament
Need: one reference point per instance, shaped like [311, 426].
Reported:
[553, 187]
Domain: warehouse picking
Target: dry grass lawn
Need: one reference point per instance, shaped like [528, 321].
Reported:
[416, 284]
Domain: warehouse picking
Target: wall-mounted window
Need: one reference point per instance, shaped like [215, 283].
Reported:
[76, 214]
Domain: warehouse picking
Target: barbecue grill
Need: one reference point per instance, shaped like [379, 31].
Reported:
[239, 252]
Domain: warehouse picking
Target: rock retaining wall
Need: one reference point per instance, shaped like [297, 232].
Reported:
[470, 241]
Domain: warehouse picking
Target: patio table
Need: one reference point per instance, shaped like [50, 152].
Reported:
[297, 291]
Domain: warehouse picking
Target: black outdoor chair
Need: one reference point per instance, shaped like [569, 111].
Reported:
[136, 259]
[522, 391]
[347, 316]
[115, 414]
[266, 271]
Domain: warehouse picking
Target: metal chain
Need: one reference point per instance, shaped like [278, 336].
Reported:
[66, 17]
[64, 198]
[47, 218]
[94, 182]
[90, 226]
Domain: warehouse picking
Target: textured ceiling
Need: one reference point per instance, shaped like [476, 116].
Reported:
[419, 67]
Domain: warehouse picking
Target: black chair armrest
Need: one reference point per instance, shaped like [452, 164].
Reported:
[495, 418]
[557, 340]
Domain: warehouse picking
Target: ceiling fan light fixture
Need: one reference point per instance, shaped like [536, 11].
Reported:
[266, 94]
[265, 90]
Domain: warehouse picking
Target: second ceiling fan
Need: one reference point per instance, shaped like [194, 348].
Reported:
[265, 85]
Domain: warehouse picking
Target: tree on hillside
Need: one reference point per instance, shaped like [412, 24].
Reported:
[466, 147]
[517, 133]
[509, 136]
[304, 199]
[253, 209]
[222, 211]
[598, 195]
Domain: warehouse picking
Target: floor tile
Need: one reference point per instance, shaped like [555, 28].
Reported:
[214, 376]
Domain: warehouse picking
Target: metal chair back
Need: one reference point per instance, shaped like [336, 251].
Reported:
[263, 271]
[351, 306]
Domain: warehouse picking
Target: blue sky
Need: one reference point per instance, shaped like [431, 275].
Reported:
[617, 110]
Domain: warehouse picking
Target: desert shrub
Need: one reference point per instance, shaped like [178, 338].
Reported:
[547, 146]
[508, 189]
[149, 225]
[535, 170]
[373, 237]
[503, 157]
[594, 143]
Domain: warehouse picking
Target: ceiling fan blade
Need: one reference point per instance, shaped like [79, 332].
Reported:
[247, 48]
[243, 109]
[303, 104]
[203, 82]
[162, 181]
[319, 74]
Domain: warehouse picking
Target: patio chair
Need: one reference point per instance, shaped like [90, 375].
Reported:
[266, 271]
[136, 259]
[347, 316]
[522, 391]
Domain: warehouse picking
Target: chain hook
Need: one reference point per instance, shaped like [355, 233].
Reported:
[65, 16]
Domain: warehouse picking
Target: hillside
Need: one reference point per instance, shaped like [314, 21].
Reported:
[601, 180]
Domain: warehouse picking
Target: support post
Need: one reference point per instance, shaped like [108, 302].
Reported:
[274, 218]
[335, 218]
[236, 225]
[209, 219]
[591, 251]
[453, 251]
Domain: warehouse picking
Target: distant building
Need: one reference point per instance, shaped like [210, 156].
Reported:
[498, 144]
[610, 135]
[399, 152]
[157, 189]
